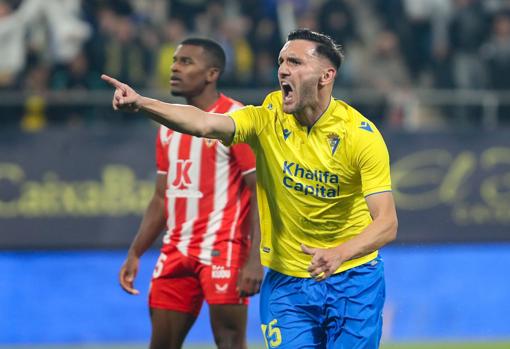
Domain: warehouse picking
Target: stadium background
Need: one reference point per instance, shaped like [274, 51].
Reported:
[434, 75]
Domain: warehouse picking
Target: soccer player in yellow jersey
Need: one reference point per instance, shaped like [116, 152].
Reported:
[324, 193]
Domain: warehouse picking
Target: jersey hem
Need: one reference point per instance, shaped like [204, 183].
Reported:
[248, 171]
[228, 144]
[376, 190]
[345, 266]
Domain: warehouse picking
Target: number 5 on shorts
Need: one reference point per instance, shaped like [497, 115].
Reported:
[159, 265]
[273, 334]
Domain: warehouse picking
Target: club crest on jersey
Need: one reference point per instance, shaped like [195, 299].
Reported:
[334, 141]
[210, 142]
[286, 133]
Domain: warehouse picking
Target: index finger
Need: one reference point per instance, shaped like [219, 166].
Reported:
[112, 81]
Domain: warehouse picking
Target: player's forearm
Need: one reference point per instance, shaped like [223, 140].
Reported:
[250, 180]
[377, 234]
[255, 229]
[152, 224]
[181, 118]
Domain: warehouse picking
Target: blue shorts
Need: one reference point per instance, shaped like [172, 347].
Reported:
[341, 312]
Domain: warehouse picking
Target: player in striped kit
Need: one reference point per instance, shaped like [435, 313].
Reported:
[205, 195]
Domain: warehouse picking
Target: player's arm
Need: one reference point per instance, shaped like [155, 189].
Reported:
[380, 232]
[372, 158]
[252, 272]
[181, 118]
[152, 224]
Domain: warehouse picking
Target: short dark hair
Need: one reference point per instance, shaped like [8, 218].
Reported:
[213, 50]
[327, 47]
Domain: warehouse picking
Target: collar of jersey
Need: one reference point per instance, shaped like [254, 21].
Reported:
[215, 105]
[320, 120]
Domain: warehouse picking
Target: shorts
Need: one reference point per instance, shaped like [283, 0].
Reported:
[181, 283]
[344, 311]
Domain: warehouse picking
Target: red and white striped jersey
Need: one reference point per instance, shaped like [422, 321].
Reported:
[207, 201]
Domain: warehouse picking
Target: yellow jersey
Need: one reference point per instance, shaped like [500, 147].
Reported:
[312, 182]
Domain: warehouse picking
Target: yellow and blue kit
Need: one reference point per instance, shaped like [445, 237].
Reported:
[311, 188]
[312, 182]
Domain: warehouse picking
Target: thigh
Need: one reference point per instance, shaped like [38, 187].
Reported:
[177, 286]
[169, 328]
[291, 312]
[355, 306]
[228, 322]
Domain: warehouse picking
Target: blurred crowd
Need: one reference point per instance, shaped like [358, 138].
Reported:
[390, 45]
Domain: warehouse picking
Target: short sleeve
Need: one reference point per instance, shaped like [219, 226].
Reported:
[161, 155]
[249, 122]
[244, 157]
[373, 161]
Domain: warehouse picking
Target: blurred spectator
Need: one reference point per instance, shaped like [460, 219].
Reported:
[265, 35]
[423, 23]
[308, 20]
[13, 29]
[336, 20]
[36, 85]
[384, 69]
[153, 11]
[388, 43]
[187, 10]
[468, 30]
[174, 31]
[126, 57]
[496, 54]
[104, 32]
[67, 31]
[266, 70]
[76, 75]
[240, 56]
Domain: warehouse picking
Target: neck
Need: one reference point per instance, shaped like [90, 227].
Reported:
[313, 111]
[205, 99]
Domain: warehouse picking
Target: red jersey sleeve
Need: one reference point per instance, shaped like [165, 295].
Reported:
[161, 154]
[244, 157]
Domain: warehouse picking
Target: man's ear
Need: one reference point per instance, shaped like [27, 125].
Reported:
[213, 74]
[328, 76]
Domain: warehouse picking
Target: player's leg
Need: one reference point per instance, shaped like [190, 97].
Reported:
[228, 311]
[175, 299]
[169, 328]
[291, 312]
[354, 314]
[228, 322]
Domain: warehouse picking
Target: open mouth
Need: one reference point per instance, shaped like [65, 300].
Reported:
[174, 80]
[287, 92]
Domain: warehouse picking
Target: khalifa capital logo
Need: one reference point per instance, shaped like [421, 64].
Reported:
[334, 141]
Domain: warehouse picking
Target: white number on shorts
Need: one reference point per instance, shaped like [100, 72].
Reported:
[159, 265]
